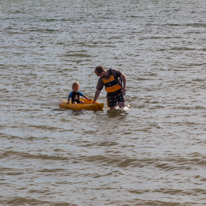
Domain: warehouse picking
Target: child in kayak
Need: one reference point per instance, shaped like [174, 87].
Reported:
[75, 94]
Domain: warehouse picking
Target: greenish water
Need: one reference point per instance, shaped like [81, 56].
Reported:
[153, 153]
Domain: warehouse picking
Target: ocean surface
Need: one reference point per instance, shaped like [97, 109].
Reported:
[151, 154]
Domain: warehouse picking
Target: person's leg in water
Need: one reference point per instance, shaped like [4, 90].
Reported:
[111, 102]
[122, 104]
[121, 100]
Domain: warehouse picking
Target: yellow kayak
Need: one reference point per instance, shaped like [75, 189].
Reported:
[87, 105]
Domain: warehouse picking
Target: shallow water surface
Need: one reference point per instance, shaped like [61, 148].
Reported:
[153, 153]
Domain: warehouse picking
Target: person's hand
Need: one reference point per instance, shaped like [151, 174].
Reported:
[124, 90]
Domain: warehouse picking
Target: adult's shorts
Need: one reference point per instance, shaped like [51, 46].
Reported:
[112, 100]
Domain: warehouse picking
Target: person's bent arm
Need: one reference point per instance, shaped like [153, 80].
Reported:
[68, 101]
[96, 96]
[123, 77]
[86, 97]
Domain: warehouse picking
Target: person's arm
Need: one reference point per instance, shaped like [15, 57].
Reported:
[96, 96]
[70, 95]
[123, 77]
[81, 94]
[68, 100]
[87, 98]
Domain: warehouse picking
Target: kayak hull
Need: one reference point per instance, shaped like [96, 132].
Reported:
[87, 105]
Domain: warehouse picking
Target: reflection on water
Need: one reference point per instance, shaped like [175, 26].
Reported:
[120, 113]
[153, 153]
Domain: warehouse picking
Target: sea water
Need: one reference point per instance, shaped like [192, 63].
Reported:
[152, 154]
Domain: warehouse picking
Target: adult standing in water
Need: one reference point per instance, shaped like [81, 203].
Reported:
[111, 79]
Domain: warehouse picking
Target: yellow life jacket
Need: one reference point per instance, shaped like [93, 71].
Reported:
[111, 85]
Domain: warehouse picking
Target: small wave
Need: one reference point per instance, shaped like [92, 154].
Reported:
[31, 156]
[34, 201]
[107, 143]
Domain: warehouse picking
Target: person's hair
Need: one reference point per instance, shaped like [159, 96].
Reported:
[75, 84]
[99, 69]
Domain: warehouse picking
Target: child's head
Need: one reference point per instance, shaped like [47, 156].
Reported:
[75, 86]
